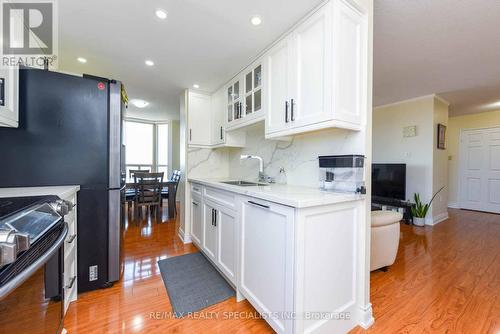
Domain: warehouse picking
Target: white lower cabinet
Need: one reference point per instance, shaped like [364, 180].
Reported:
[303, 269]
[196, 221]
[226, 225]
[210, 234]
[266, 260]
[70, 254]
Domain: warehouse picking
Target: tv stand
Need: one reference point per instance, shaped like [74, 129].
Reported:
[380, 203]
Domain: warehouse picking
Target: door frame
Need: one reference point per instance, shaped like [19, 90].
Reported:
[461, 161]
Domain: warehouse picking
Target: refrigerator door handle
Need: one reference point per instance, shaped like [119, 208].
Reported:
[115, 138]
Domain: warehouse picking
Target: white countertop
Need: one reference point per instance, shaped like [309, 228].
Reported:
[61, 191]
[294, 196]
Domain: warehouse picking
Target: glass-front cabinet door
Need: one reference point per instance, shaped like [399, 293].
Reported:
[253, 90]
[234, 101]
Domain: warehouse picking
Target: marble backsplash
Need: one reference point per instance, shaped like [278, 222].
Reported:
[298, 157]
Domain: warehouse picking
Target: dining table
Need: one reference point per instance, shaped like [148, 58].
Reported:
[170, 185]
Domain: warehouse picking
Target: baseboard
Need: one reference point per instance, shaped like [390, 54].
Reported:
[454, 205]
[366, 319]
[185, 238]
[438, 219]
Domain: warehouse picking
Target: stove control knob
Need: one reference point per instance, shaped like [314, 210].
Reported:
[62, 207]
[8, 253]
[22, 241]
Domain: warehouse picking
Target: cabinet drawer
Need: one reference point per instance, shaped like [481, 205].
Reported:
[196, 189]
[221, 197]
[70, 277]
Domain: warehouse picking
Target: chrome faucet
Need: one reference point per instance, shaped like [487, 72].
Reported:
[262, 175]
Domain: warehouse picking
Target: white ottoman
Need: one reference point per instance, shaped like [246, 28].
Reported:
[385, 238]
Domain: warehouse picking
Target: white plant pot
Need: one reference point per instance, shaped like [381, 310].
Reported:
[418, 221]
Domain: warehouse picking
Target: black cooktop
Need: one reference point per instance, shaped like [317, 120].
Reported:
[12, 205]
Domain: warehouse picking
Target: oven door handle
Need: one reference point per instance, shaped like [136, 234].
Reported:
[28, 272]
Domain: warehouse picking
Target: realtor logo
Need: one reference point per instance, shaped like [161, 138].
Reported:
[28, 32]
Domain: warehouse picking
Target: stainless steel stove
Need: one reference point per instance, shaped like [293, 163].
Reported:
[32, 231]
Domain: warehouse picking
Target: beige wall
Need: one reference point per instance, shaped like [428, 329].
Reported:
[426, 166]
[440, 165]
[473, 121]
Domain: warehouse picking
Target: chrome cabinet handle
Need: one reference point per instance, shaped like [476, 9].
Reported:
[221, 138]
[215, 218]
[292, 118]
[71, 239]
[194, 203]
[258, 204]
[190, 134]
[71, 283]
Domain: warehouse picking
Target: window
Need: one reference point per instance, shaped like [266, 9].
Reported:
[162, 145]
[146, 147]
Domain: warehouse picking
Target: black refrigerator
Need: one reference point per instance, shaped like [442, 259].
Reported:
[70, 133]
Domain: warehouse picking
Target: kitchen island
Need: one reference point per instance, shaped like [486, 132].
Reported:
[297, 254]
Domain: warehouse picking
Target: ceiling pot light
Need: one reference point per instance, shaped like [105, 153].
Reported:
[149, 63]
[139, 103]
[256, 20]
[196, 86]
[161, 14]
[81, 60]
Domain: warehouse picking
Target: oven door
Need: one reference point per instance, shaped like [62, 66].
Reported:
[32, 302]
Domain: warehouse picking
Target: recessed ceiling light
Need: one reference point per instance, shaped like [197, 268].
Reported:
[196, 86]
[149, 62]
[81, 60]
[256, 20]
[139, 103]
[161, 14]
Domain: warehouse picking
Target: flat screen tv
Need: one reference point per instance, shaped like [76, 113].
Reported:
[389, 181]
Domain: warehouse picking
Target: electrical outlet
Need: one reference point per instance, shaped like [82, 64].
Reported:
[93, 273]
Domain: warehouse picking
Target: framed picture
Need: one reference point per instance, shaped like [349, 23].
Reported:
[441, 137]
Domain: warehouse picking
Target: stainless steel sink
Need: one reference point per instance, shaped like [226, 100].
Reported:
[244, 183]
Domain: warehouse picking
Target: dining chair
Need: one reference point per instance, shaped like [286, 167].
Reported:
[130, 193]
[175, 177]
[148, 193]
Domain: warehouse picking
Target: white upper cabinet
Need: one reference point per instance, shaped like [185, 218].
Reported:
[317, 75]
[218, 121]
[278, 82]
[199, 118]
[234, 100]
[9, 90]
[310, 94]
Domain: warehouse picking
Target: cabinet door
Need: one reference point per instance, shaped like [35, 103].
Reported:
[350, 64]
[277, 83]
[218, 113]
[210, 233]
[226, 253]
[310, 96]
[234, 100]
[196, 221]
[9, 88]
[199, 119]
[267, 258]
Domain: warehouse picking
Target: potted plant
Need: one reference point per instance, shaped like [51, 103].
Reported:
[419, 210]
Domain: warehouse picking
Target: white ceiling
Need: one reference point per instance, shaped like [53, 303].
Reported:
[447, 47]
[201, 41]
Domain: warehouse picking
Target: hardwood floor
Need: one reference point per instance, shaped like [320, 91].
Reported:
[446, 279]
[139, 302]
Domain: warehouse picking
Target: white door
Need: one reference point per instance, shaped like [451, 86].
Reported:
[277, 83]
[210, 233]
[226, 256]
[310, 96]
[480, 170]
[196, 221]
[9, 88]
[199, 106]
